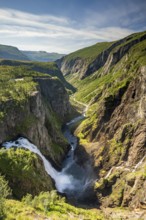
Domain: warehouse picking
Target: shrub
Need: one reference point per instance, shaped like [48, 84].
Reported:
[4, 193]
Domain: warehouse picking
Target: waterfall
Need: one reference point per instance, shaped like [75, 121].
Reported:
[62, 181]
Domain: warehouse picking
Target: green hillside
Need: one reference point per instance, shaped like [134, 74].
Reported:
[12, 53]
[43, 67]
[89, 53]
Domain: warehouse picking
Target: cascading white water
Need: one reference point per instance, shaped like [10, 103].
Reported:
[62, 180]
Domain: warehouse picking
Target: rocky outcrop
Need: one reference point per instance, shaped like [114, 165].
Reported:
[39, 118]
[77, 65]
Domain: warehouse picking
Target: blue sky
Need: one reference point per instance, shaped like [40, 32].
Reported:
[67, 25]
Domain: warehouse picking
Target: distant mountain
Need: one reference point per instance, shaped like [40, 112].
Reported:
[12, 53]
[42, 56]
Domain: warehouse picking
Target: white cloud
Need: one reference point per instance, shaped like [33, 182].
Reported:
[118, 14]
[51, 33]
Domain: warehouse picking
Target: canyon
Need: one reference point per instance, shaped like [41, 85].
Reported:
[86, 118]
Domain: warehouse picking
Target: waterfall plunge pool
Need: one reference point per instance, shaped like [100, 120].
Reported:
[73, 179]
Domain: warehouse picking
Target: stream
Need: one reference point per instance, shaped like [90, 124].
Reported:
[73, 180]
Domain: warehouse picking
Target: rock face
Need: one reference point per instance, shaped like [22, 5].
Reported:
[74, 66]
[56, 95]
[114, 130]
[40, 118]
[83, 61]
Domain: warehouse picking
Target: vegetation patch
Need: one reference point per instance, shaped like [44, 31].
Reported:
[89, 53]
[24, 171]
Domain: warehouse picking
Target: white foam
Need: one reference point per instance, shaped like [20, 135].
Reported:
[62, 181]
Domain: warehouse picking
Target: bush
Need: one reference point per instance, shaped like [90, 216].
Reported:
[4, 193]
[44, 201]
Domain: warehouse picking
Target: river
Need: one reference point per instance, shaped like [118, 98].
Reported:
[73, 179]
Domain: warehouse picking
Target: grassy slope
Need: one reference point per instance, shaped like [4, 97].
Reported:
[47, 205]
[11, 88]
[43, 67]
[89, 53]
[9, 52]
[98, 89]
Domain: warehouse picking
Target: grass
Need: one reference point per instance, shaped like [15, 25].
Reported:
[4, 193]
[24, 171]
[49, 68]
[89, 53]
[16, 86]
[47, 205]
[94, 85]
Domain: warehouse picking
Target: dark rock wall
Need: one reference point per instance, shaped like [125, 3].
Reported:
[40, 118]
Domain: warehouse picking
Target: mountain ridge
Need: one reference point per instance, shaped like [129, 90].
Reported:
[42, 56]
[80, 61]
[11, 52]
